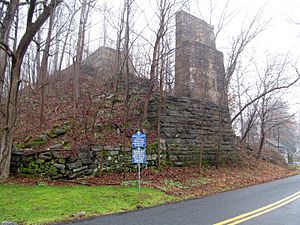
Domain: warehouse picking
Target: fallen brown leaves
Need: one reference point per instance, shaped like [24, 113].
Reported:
[184, 182]
[95, 121]
[98, 119]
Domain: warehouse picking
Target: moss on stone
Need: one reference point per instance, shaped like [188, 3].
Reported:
[59, 130]
[24, 170]
[152, 147]
[20, 145]
[51, 172]
[66, 144]
[61, 161]
[30, 142]
[51, 134]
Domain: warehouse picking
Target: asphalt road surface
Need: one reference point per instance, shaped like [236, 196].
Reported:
[274, 203]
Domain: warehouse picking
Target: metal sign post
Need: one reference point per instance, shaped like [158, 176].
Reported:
[139, 169]
[139, 152]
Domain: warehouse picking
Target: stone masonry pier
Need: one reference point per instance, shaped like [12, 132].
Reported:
[196, 120]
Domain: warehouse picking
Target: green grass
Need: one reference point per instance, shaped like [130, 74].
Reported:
[43, 204]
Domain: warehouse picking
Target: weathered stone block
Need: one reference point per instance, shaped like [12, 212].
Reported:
[96, 148]
[151, 157]
[40, 161]
[83, 155]
[84, 148]
[45, 156]
[74, 165]
[56, 154]
[80, 169]
[86, 161]
[78, 174]
[59, 166]
[56, 147]
[114, 152]
[72, 158]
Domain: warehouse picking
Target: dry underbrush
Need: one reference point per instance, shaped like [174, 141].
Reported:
[186, 182]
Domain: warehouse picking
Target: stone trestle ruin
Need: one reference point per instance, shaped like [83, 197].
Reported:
[199, 65]
[195, 123]
[196, 120]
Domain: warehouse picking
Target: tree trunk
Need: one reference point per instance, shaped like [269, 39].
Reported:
[44, 71]
[152, 77]
[38, 59]
[118, 67]
[163, 11]
[7, 136]
[66, 38]
[126, 51]
[4, 35]
[64, 46]
[17, 59]
[161, 87]
[262, 140]
[159, 117]
[220, 136]
[57, 43]
[79, 51]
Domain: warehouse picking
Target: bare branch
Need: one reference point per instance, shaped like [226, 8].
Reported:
[241, 42]
[267, 92]
[6, 48]
[4, 2]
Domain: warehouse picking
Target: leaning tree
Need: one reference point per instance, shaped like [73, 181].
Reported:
[16, 57]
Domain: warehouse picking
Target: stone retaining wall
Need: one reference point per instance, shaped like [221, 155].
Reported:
[86, 161]
[190, 127]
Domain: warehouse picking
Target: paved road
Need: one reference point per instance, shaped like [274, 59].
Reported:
[219, 207]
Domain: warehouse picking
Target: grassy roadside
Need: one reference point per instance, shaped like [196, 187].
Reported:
[43, 204]
[23, 201]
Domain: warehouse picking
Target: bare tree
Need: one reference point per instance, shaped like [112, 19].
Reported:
[58, 25]
[44, 70]
[17, 56]
[73, 12]
[266, 92]
[238, 46]
[263, 99]
[79, 49]
[272, 77]
[128, 7]
[241, 42]
[86, 7]
[165, 12]
[270, 118]
[5, 28]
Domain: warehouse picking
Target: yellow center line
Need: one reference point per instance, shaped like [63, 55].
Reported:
[259, 211]
[263, 212]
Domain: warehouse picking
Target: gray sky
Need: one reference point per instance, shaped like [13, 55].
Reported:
[281, 37]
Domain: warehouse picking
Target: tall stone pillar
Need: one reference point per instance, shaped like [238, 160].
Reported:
[199, 67]
[196, 120]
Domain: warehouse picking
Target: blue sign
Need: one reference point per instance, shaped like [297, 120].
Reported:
[139, 156]
[139, 148]
[139, 140]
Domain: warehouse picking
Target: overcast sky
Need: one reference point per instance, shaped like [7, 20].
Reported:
[281, 34]
[281, 37]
